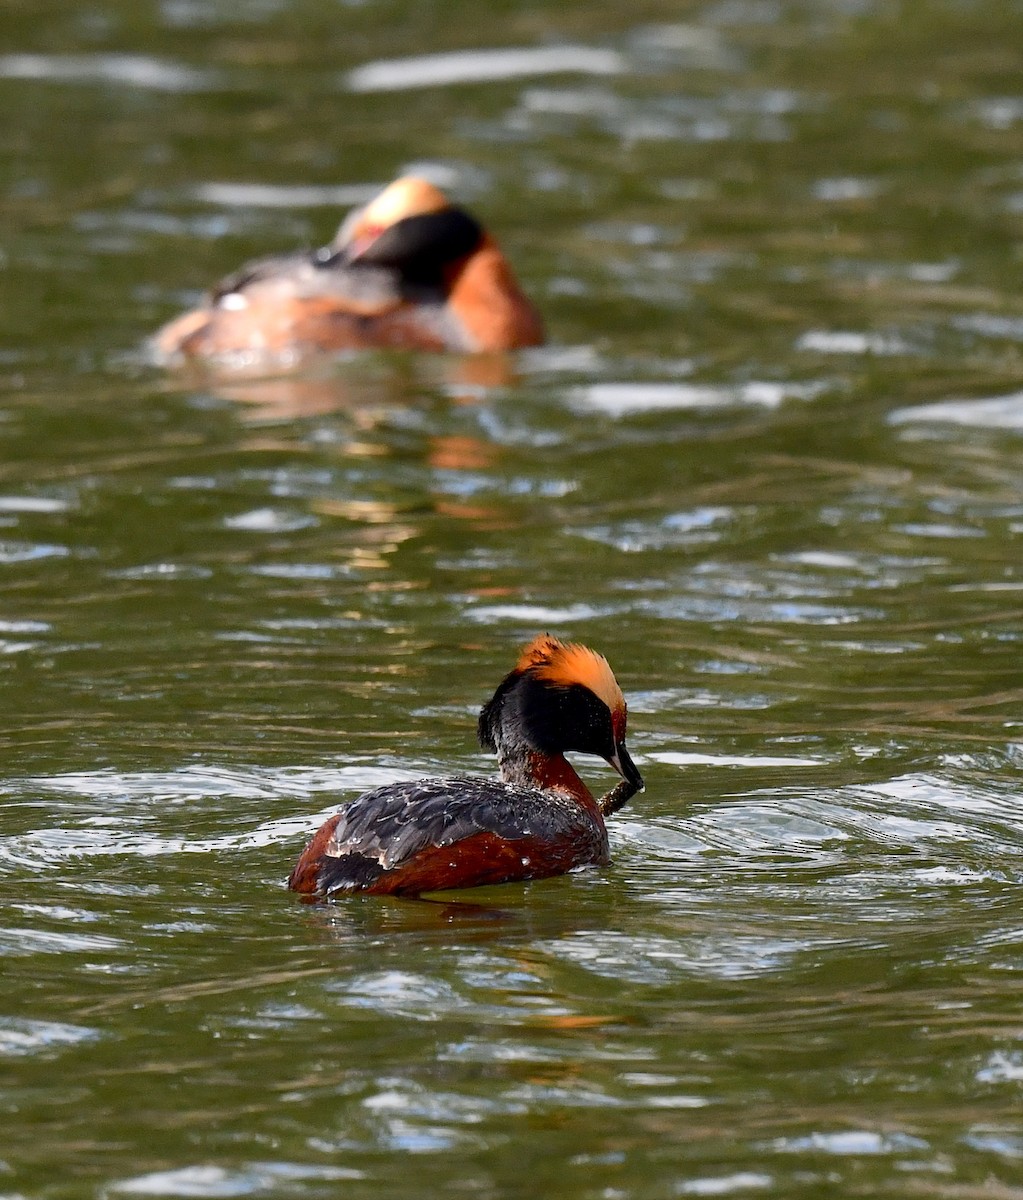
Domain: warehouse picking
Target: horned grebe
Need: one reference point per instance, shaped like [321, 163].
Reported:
[539, 819]
[407, 270]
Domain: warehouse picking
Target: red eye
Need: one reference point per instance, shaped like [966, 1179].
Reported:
[363, 238]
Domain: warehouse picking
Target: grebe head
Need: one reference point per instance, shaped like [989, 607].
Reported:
[411, 226]
[560, 696]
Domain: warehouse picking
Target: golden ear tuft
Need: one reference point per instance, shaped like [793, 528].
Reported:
[540, 651]
[409, 196]
[566, 663]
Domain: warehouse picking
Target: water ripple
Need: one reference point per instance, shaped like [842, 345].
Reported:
[853, 1141]
[658, 960]
[623, 399]
[20, 552]
[198, 782]
[140, 835]
[996, 412]
[535, 614]
[286, 196]
[215, 1182]
[20, 1036]
[725, 1185]
[831, 341]
[41, 941]
[126, 70]
[482, 66]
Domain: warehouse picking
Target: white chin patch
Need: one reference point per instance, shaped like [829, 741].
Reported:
[233, 302]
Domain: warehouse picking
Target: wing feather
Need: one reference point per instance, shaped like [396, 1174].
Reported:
[392, 824]
[363, 290]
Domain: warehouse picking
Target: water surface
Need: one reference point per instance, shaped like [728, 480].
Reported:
[769, 463]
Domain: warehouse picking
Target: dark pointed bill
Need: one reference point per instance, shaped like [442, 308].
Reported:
[625, 767]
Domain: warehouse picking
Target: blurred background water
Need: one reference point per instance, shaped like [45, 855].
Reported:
[769, 463]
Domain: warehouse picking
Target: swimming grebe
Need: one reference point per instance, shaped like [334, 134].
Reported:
[407, 270]
[539, 819]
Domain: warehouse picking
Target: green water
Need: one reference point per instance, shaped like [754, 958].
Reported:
[769, 463]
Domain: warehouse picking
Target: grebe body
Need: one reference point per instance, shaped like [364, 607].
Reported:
[538, 820]
[409, 270]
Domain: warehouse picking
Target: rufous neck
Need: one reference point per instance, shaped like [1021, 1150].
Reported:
[485, 297]
[550, 772]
